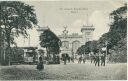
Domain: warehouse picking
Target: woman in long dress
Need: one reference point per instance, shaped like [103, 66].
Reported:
[40, 65]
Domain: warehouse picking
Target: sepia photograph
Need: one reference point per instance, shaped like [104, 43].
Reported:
[63, 40]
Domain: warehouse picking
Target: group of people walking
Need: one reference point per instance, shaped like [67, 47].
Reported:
[66, 58]
[98, 59]
[80, 59]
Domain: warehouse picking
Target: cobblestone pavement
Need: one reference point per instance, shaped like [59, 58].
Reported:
[70, 71]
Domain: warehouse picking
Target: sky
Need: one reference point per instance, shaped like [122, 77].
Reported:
[73, 14]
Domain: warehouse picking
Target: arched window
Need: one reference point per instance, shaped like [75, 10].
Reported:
[65, 44]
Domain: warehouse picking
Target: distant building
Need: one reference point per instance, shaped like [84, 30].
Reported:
[71, 42]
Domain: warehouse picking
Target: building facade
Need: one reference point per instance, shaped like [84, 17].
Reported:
[71, 42]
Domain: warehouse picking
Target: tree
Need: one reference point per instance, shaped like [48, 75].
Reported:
[119, 52]
[118, 27]
[117, 33]
[119, 17]
[1, 45]
[51, 42]
[111, 37]
[81, 50]
[16, 17]
[90, 46]
[17, 54]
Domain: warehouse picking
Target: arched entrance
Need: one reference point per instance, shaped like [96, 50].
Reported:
[75, 46]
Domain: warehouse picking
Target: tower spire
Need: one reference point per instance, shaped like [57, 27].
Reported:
[65, 32]
[65, 28]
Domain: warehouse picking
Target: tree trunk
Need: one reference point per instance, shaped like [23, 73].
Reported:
[54, 58]
[1, 46]
[48, 54]
[8, 49]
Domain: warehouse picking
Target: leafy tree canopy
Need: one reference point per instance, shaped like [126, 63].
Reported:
[16, 17]
[51, 41]
[90, 46]
[119, 17]
[118, 28]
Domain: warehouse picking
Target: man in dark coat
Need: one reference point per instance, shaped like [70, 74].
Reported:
[103, 59]
[65, 59]
[97, 59]
[80, 59]
[57, 59]
[92, 57]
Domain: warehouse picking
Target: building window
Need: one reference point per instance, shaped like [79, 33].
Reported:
[65, 44]
[87, 33]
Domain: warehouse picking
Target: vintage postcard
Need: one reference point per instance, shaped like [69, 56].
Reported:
[63, 40]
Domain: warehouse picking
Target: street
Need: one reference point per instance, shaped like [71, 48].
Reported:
[70, 71]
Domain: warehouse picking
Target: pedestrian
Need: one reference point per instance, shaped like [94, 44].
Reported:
[58, 59]
[72, 58]
[103, 59]
[65, 59]
[40, 65]
[84, 59]
[97, 59]
[69, 59]
[92, 57]
[80, 59]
